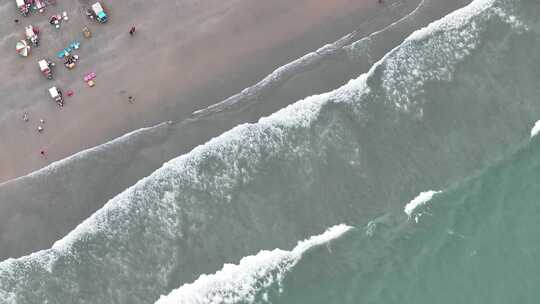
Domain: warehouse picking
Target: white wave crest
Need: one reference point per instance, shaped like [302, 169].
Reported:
[419, 200]
[243, 282]
[433, 53]
[535, 129]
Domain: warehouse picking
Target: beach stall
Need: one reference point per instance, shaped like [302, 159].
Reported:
[22, 48]
[70, 61]
[99, 13]
[45, 66]
[39, 5]
[63, 53]
[32, 35]
[56, 95]
[23, 7]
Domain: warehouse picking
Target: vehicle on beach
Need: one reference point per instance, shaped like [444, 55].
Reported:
[23, 7]
[97, 13]
[46, 66]
[31, 33]
[56, 95]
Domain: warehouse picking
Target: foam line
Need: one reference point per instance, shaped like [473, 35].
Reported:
[247, 280]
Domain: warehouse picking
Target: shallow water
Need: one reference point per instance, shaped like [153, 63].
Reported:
[452, 100]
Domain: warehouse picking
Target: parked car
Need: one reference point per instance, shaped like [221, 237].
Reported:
[46, 66]
[56, 95]
[99, 13]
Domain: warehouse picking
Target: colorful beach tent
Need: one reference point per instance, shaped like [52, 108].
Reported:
[22, 48]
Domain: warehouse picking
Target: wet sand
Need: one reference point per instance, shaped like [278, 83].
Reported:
[181, 48]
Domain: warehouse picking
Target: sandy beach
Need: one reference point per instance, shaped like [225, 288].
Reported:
[40, 208]
[181, 48]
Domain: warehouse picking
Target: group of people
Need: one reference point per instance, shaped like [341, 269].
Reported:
[70, 60]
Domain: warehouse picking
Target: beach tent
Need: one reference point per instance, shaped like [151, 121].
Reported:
[99, 12]
[43, 65]
[54, 92]
[31, 34]
[39, 4]
[97, 7]
[23, 7]
[22, 48]
[45, 68]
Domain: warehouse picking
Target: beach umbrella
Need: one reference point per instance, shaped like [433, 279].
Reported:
[22, 48]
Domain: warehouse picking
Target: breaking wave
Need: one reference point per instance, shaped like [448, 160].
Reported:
[418, 201]
[479, 233]
[394, 259]
[535, 129]
[250, 280]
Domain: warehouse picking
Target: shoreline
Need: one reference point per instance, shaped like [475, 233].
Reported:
[73, 191]
[215, 51]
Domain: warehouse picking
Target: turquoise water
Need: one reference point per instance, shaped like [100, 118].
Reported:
[476, 242]
[450, 109]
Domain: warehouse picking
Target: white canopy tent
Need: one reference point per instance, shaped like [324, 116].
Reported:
[54, 92]
[43, 65]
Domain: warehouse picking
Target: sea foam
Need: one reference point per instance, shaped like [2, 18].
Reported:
[246, 281]
[419, 200]
[535, 129]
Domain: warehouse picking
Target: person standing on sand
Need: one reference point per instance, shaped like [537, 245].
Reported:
[132, 30]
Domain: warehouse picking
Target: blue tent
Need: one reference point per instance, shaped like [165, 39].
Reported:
[101, 16]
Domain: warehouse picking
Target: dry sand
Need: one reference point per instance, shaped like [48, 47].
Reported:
[180, 47]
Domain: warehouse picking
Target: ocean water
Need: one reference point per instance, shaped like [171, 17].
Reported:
[474, 242]
[413, 183]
